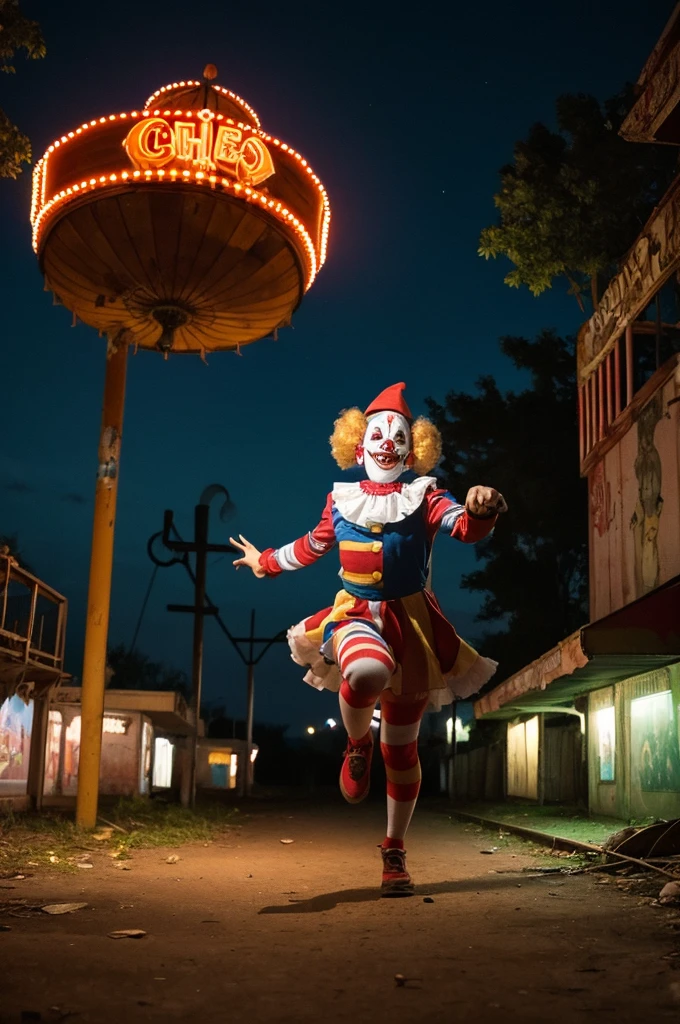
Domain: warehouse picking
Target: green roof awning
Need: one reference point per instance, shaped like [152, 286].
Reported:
[642, 636]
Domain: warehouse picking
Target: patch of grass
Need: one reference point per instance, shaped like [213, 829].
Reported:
[149, 823]
[29, 841]
[48, 839]
[566, 821]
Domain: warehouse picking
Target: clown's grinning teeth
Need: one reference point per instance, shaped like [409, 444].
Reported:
[385, 460]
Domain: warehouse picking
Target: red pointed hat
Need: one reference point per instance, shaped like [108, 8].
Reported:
[390, 400]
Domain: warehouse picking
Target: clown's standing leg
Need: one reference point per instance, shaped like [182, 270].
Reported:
[366, 666]
[399, 727]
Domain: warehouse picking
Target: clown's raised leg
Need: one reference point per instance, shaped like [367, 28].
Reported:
[366, 666]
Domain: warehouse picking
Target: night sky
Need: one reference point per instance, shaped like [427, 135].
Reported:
[407, 114]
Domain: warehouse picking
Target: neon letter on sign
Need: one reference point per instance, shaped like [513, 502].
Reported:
[150, 143]
[156, 142]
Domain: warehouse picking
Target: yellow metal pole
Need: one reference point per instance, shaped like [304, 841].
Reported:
[99, 593]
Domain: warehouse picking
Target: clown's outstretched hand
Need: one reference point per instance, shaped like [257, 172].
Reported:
[485, 501]
[251, 555]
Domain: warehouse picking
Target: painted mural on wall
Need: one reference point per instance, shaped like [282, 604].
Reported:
[655, 758]
[16, 722]
[635, 507]
[645, 519]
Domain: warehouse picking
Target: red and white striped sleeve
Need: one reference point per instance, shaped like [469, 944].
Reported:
[303, 551]
[445, 515]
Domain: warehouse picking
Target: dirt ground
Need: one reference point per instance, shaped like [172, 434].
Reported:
[252, 929]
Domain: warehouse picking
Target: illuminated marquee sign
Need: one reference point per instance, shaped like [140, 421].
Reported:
[158, 141]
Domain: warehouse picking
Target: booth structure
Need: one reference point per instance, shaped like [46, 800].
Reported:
[32, 632]
[222, 764]
[608, 696]
[143, 743]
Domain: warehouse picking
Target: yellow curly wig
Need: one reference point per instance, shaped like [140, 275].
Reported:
[349, 430]
[426, 446]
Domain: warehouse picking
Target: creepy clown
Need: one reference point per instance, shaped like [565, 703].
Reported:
[385, 638]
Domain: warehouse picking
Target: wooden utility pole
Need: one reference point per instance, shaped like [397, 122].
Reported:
[200, 547]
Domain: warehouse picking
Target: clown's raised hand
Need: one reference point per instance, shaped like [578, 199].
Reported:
[251, 555]
[485, 501]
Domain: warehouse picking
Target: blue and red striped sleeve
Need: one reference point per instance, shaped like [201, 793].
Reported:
[445, 515]
[304, 550]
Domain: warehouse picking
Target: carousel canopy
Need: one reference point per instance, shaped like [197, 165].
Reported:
[184, 224]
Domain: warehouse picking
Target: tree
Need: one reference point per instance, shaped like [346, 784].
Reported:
[574, 201]
[130, 669]
[534, 574]
[16, 33]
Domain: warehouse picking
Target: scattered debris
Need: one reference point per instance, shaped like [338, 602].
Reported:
[129, 933]
[172, 859]
[62, 908]
[103, 835]
[670, 893]
[661, 838]
[427, 899]
[286, 841]
[5, 928]
[402, 981]
[84, 864]
[492, 849]
[118, 828]
[121, 866]
[54, 859]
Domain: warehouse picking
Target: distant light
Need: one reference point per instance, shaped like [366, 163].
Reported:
[449, 731]
[331, 723]
[253, 755]
[311, 730]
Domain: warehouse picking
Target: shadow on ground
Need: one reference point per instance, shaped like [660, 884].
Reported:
[329, 900]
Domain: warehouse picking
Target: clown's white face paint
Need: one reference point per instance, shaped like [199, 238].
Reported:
[385, 447]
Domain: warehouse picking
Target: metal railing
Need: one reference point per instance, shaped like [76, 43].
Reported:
[32, 622]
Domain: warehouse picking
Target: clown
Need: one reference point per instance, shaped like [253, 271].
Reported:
[385, 638]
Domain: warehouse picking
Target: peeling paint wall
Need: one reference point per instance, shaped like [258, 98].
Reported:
[635, 508]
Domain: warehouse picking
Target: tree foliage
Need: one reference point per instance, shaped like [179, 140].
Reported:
[574, 200]
[17, 32]
[534, 572]
[130, 669]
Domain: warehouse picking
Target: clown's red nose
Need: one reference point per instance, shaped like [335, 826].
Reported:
[388, 445]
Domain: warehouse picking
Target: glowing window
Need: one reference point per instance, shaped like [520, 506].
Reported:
[606, 743]
[162, 762]
[219, 757]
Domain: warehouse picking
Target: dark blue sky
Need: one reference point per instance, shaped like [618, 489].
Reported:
[406, 117]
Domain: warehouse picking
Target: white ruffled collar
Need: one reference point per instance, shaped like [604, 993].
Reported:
[358, 507]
